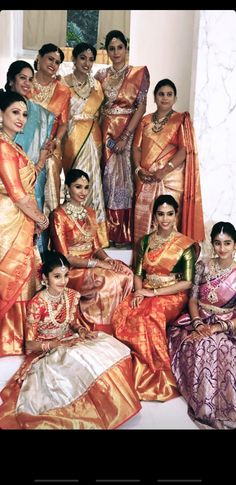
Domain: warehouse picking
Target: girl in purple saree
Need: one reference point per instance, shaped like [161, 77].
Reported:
[202, 344]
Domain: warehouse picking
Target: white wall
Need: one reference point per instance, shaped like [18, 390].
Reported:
[11, 39]
[163, 40]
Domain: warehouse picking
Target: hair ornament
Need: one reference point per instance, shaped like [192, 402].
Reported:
[63, 267]
[221, 235]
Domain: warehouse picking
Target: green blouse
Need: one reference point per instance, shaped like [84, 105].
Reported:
[185, 266]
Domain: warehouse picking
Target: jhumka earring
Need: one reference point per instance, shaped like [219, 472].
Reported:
[0, 124]
[66, 192]
[44, 283]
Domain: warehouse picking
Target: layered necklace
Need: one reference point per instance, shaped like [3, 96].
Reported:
[216, 272]
[43, 94]
[78, 213]
[113, 82]
[156, 242]
[83, 88]
[159, 124]
[61, 299]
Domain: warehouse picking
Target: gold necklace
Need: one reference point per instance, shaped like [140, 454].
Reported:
[43, 94]
[159, 124]
[155, 242]
[215, 271]
[80, 214]
[83, 89]
[54, 314]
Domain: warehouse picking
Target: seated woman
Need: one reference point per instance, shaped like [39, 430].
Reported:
[202, 344]
[72, 378]
[164, 273]
[102, 281]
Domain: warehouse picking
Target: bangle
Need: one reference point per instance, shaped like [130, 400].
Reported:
[57, 140]
[224, 326]
[46, 347]
[125, 134]
[230, 325]
[91, 263]
[171, 164]
[196, 321]
[137, 169]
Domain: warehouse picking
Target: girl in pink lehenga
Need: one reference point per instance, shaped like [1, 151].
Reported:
[202, 345]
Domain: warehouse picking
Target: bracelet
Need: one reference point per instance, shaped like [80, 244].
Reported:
[224, 326]
[230, 325]
[57, 140]
[171, 164]
[46, 347]
[44, 222]
[137, 169]
[91, 263]
[125, 134]
[196, 321]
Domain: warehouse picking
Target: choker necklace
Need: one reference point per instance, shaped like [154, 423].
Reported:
[83, 89]
[76, 212]
[119, 71]
[54, 298]
[156, 241]
[159, 124]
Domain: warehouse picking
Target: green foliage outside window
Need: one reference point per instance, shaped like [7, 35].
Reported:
[82, 26]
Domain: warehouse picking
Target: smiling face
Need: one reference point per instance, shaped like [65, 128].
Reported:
[224, 246]
[84, 62]
[23, 82]
[49, 63]
[165, 218]
[165, 98]
[14, 118]
[57, 280]
[78, 190]
[117, 52]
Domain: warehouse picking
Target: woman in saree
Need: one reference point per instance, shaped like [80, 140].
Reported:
[71, 378]
[53, 95]
[202, 344]
[20, 217]
[166, 162]
[36, 133]
[125, 88]
[103, 282]
[163, 276]
[83, 142]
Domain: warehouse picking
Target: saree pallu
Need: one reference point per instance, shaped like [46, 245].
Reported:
[205, 369]
[101, 289]
[58, 104]
[117, 171]
[92, 388]
[183, 183]
[17, 263]
[143, 328]
[37, 131]
[82, 149]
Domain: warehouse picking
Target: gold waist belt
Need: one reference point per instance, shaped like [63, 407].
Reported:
[159, 281]
[215, 309]
[83, 248]
[117, 111]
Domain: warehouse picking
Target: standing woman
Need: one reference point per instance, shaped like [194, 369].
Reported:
[18, 215]
[36, 133]
[83, 144]
[125, 88]
[50, 93]
[166, 161]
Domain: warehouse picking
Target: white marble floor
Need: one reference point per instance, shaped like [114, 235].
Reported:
[153, 415]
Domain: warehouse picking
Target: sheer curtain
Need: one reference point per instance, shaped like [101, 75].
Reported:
[43, 27]
[112, 20]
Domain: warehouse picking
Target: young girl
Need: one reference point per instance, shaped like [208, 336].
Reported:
[202, 345]
[78, 379]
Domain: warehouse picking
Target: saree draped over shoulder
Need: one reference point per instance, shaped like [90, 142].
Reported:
[205, 369]
[58, 102]
[143, 328]
[183, 183]
[17, 256]
[101, 289]
[83, 148]
[123, 95]
[37, 131]
[79, 385]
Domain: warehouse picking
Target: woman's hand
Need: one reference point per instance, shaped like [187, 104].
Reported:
[120, 146]
[145, 292]
[118, 266]
[146, 177]
[136, 300]
[204, 330]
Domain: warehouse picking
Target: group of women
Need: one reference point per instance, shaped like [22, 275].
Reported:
[99, 338]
